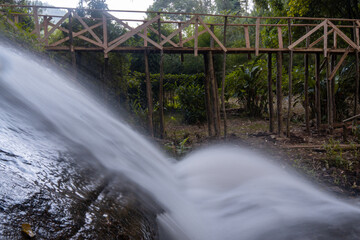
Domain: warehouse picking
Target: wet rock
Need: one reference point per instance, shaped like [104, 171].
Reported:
[60, 190]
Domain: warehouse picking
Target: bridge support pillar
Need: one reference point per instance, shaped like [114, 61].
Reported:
[149, 94]
[279, 92]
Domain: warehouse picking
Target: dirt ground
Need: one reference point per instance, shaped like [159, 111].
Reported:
[321, 157]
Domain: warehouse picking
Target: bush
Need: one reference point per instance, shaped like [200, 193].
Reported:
[192, 103]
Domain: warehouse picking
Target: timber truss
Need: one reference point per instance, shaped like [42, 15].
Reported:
[320, 36]
[185, 31]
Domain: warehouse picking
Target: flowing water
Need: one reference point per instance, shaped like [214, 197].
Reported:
[223, 192]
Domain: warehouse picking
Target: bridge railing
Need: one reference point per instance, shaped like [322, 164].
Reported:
[173, 31]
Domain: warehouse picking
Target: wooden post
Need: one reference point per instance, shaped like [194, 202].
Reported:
[105, 35]
[317, 91]
[46, 22]
[325, 38]
[214, 94]
[145, 41]
[196, 37]
[270, 94]
[71, 41]
[357, 77]
[290, 82]
[223, 82]
[149, 94]
[332, 81]
[214, 89]
[181, 43]
[306, 84]
[329, 95]
[257, 37]
[247, 40]
[36, 19]
[161, 86]
[357, 74]
[278, 91]
[209, 112]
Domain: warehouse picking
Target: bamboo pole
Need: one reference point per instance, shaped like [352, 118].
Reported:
[270, 94]
[149, 94]
[209, 114]
[357, 74]
[181, 43]
[306, 85]
[71, 45]
[290, 82]
[214, 88]
[279, 92]
[317, 91]
[161, 86]
[223, 82]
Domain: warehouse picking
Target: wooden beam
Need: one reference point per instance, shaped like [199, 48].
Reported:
[161, 85]
[145, 34]
[71, 47]
[55, 27]
[306, 85]
[162, 36]
[343, 36]
[192, 37]
[105, 32]
[325, 39]
[317, 91]
[181, 43]
[139, 34]
[87, 27]
[134, 31]
[335, 40]
[37, 24]
[279, 92]
[186, 24]
[307, 34]
[357, 78]
[208, 102]
[196, 37]
[77, 34]
[212, 34]
[290, 81]
[223, 81]
[257, 37]
[247, 37]
[320, 39]
[149, 94]
[332, 75]
[280, 38]
[46, 25]
[270, 93]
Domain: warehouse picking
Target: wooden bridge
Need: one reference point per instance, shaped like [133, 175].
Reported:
[323, 38]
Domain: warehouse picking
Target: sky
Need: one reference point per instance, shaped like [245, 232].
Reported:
[140, 5]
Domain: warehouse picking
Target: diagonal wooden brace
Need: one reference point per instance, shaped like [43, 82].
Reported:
[132, 32]
[308, 34]
[338, 65]
[131, 29]
[162, 36]
[55, 27]
[343, 36]
[178, 30]
[320, 38]
[212, 34]
[87, 27]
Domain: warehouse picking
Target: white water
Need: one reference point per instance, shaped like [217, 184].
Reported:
[218, 193]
